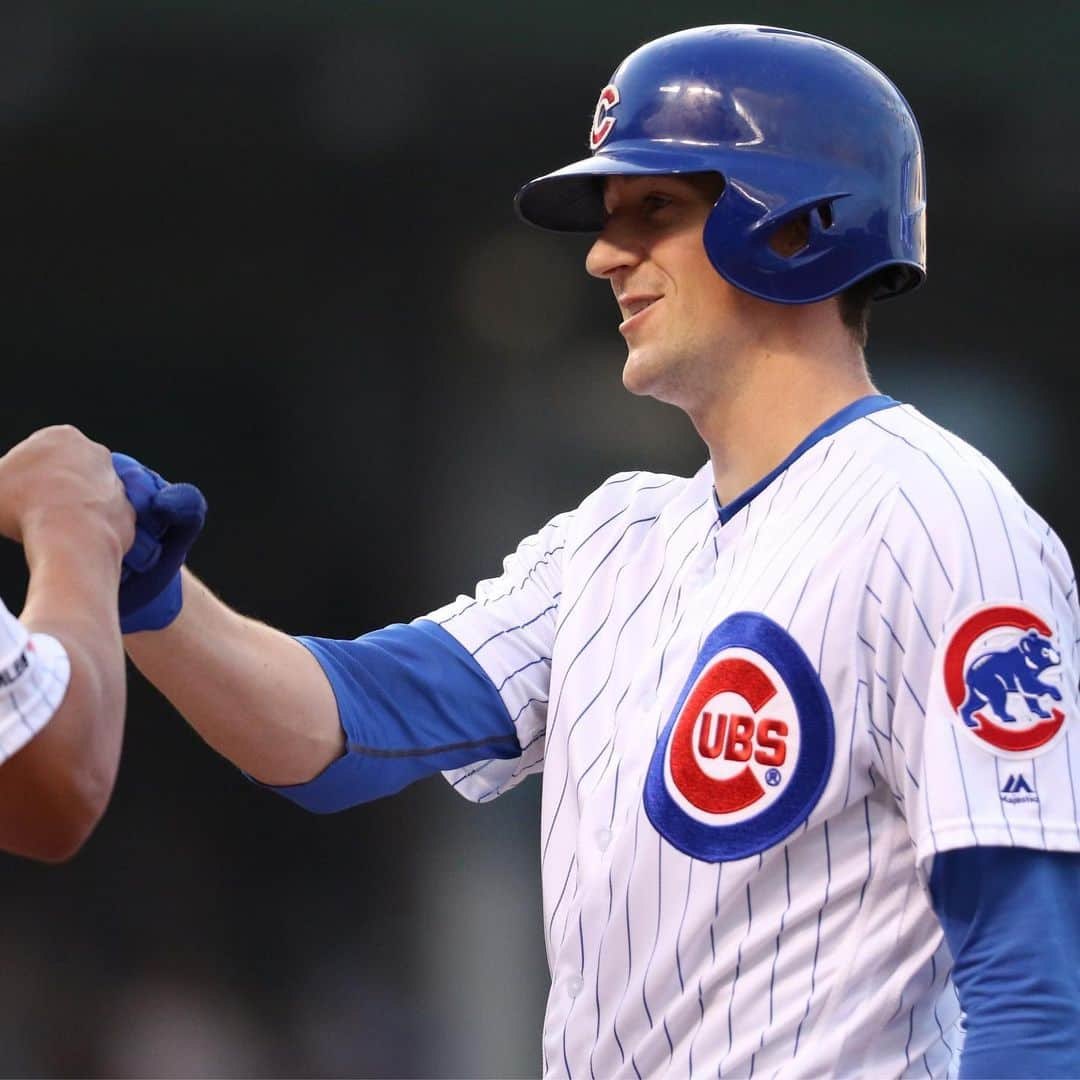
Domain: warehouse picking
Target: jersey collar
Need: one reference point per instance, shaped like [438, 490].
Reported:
[862, 407]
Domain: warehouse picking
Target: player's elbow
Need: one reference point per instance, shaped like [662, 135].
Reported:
[86, 782]
[58, 841]
[68, 817]
[55, 835]
[91, 792]
[51, 799]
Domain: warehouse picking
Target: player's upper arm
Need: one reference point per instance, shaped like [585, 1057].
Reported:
[411, 702]
[508, 627]
[971, 628]
[453, 691]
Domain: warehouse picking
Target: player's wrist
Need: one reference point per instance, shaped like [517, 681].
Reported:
[77, 535]
[157, 614]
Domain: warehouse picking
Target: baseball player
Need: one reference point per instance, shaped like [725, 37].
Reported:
[808, 719]
[62, 679]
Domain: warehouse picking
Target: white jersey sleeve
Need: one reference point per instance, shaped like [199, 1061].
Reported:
[968, 638]
[509, 628]
[34, 675]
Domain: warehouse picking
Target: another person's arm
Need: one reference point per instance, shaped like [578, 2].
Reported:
[60, 498]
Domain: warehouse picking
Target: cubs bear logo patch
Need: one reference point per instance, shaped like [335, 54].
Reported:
[1002, 673]
[748, 749]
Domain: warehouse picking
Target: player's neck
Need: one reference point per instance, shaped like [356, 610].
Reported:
[769, 407]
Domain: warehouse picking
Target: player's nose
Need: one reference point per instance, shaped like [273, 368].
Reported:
[613, 250]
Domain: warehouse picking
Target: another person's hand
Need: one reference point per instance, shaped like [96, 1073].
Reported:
[58, 482]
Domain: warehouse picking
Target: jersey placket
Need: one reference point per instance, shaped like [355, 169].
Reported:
[612, 821]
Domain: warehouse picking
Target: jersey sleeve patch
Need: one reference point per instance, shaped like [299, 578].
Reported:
[748, 750]
[1002, 675]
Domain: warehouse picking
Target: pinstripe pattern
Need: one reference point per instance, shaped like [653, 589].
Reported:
[820, 955]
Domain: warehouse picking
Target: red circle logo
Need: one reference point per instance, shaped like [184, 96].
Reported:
[1002, 675]
[749, 747]
[735, 741]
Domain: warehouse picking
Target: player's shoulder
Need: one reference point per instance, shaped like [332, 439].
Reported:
[639, 487]
[926, 459]
[638, 492]
[948, 492]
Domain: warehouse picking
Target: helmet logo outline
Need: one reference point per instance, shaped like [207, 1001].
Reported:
[603, 121]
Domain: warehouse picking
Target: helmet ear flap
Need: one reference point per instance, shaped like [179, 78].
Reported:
[799, 229]
[763, 252]
[817, 208]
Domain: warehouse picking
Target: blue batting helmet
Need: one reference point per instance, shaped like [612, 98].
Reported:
[796, 125]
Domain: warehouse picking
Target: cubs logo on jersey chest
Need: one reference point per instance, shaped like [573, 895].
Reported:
[748, 749]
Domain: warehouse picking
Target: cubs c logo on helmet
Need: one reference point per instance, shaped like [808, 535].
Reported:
[748, 749]
[1002, 678]
[603, 121]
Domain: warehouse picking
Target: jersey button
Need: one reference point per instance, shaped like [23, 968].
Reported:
[603, 838]
[574, 985]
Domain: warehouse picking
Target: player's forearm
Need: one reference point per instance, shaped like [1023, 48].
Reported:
[257, 696]
[56, 788]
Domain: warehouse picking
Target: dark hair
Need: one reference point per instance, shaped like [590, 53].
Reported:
[855, 304]
[855, 301]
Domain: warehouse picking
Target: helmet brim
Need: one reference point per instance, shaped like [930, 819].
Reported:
[571, 199]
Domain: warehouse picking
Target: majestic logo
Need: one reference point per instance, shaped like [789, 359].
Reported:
[1017, 790]
[603, 121]
[748, 749]
[1000, 666]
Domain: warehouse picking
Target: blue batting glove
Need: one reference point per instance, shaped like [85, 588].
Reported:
[168, 518]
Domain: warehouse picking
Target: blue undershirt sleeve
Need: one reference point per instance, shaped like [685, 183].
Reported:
[1012, 921]
[412, 701]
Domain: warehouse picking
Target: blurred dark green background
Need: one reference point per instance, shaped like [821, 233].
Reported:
[270, 248]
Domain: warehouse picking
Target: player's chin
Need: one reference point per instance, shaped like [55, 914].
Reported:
[641, 373]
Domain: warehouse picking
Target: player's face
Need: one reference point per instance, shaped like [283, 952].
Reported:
[684, 325]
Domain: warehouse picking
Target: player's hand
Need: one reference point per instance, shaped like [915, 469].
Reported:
[58, 482]
[169, 518]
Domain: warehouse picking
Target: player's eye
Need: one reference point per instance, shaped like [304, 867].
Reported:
[655, 202]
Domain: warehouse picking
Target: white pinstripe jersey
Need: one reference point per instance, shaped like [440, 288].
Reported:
[696, 922]
[34, 674]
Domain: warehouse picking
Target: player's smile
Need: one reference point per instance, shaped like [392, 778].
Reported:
[633, 309]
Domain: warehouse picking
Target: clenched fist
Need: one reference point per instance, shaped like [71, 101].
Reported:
[59, 480]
